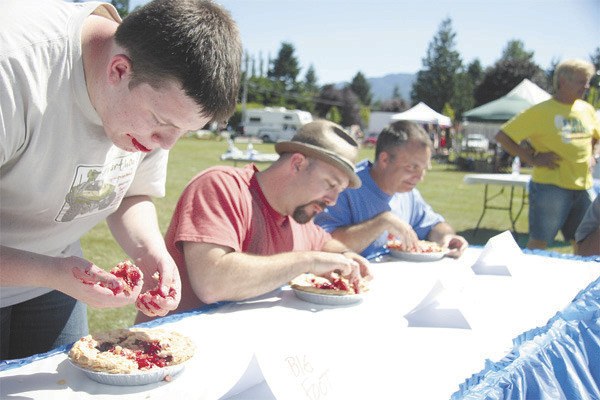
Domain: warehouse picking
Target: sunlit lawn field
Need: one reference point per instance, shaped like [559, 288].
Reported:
[443, 188]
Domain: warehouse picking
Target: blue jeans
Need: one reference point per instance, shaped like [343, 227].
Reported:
[41, 324]
[552, 208]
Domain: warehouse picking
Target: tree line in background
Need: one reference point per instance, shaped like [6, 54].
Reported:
[445, 82]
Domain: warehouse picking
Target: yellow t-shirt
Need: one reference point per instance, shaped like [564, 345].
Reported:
[566, 130]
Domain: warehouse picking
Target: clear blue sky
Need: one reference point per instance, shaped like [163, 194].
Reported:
[378, 37]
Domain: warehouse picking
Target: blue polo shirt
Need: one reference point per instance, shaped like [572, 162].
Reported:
[358, 205]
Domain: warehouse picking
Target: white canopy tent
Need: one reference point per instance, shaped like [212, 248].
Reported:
[424, 114]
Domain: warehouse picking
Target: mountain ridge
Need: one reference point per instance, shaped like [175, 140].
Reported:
[382, 87]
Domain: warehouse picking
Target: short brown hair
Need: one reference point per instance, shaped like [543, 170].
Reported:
[397, 134]
[193, 42]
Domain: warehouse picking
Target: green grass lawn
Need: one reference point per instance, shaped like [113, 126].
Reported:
[443, 188]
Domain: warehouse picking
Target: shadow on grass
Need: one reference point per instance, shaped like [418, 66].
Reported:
[484, 234]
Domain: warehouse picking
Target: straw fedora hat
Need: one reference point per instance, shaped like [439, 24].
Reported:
[328, 142]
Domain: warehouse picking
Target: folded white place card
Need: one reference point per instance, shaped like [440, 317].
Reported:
[252, 376]
[437, 310]
[499, 253]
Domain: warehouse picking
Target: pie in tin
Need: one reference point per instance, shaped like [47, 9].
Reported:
[134, 350]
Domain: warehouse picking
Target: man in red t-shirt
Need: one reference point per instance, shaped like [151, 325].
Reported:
[238, 233]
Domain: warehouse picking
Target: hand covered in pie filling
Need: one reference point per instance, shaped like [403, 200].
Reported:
[162, 293]
[400, 230]
[101, 289]
[333, 284]
[360, 275]
[349, 265]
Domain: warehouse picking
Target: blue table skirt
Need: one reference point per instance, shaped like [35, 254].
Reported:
[560, 360]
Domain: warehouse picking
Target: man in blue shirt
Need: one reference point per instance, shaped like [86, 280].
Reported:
[388, 205]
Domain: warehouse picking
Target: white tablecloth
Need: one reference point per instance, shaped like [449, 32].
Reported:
[518, 180]
[278, 346]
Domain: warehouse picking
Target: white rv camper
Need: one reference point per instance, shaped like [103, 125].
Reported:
[274, 124]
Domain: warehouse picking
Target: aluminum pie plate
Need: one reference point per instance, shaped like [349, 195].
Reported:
[135, 378]
[327, 299]
[408, 256]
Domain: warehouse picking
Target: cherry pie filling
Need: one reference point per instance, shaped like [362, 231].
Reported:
[149, 297]
[429, 248]
[146, 356]
[333, 284]
[129, 273]
[421, 247]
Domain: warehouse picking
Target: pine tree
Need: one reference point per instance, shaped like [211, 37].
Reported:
[435, 83]
[285, 67]
[361, 87]
[593, 94]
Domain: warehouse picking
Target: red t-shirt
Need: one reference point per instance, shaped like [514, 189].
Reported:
[226, 206]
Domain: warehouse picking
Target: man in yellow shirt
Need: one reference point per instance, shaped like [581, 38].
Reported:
[562, 132]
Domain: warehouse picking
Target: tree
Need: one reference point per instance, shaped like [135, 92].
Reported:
[266, 91]
[261, 64]
[550, 72]
[361, 87]
[309, 89]
[593, 95]
[397, 104]
[435, 83]
[253, 69]
[122, 7]
[310, 79]
[279, 88]
[465, 82]
[475, 71]
[515, 65]
[246, 65]
[344, 101]
[595, 60]
[334, 115]
[462, 97]
[329, 96]
[365, 116]
[350, 107]
[448, 111]
[285, 67]
[300, 98]
[515, 50]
